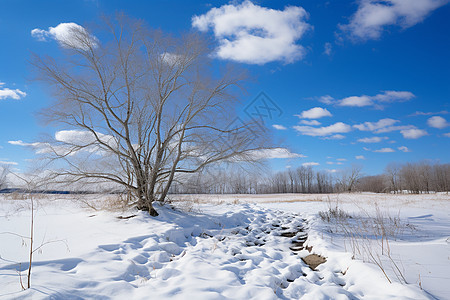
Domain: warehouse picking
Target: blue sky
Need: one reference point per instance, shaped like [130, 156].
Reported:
[364, 82]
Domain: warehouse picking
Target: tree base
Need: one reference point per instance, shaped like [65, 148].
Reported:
[150, 210]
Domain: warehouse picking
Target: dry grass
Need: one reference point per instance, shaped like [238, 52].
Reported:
[368, 235]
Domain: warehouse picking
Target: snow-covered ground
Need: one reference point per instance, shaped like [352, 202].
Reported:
[221, 247]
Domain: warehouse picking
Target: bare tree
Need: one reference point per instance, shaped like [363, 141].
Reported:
[349, 178]
[4, 171]
[392, 172]
[141, 109]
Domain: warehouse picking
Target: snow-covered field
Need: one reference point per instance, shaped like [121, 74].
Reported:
[223, 247]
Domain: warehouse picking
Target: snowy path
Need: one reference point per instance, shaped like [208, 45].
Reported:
[227, 252]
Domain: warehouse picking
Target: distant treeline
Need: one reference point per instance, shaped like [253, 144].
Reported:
[420, 177]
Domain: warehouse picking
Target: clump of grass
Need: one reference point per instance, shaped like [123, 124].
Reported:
[334, 214]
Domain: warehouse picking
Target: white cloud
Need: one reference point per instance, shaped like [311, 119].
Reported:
[375, 139]
[447, 134]
[341, 159]
[274, 153]
[373, 16]
[327, 99]
[358, 101]
[314, 113]
[310, 122]
[330, 163]
[367, 149]
[421, 113]
[10, 163]
[384, 150]
[71, 142]
[360, 157]
[332, 170]
[384, 97]
[279, 127]
[327, 49]
[437, 122]
[375, 126]
[19, 143]
[69, 35]
[404, 149]
[335, 137]
[413, 133]
[338, 127]
[394, 96]
[6, 93]
[383, 126]
[310, 164]
[253, 34]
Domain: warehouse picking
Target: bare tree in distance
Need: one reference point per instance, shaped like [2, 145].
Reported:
[349, 178]
[139, 108]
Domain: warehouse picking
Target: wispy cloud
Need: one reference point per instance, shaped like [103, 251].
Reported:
[274, 153]
[376, 101]
[362, 157]
[421, 113]
[374, 16]
[310, 122]
[310, 164]
[328, 49]
[9, 163]
[384, 150]
[383, 126]
[279, 127]
[338, 127]
[375, 139]
[253, 34]
[404, 149]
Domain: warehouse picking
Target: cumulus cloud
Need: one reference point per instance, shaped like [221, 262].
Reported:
[437, 122]
[253, 34]
[404, 149]
[310, 164]
[373, 16]
[274, 153]
[310, 122]
[358, 101]
[360, 157]
[69, 35]
[6, 93]
[375, 139]
[279, 127]
[71, 142]
[314, 113]
[413, 133]
[384, 150]
[338, 127]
